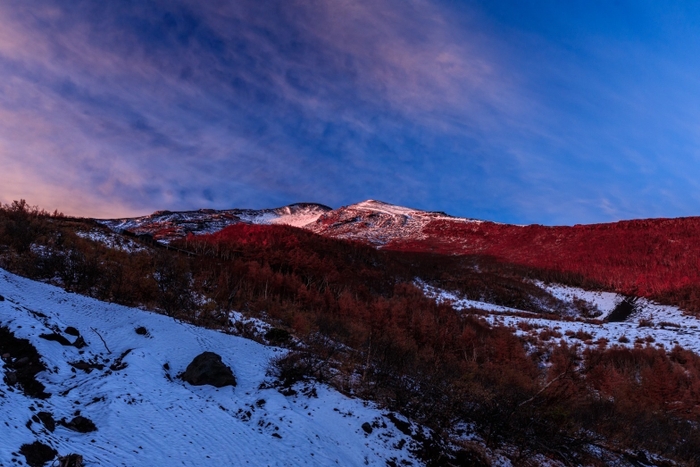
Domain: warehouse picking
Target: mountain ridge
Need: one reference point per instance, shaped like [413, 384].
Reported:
[654, 258]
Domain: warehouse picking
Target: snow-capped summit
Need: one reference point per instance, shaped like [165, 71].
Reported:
[378, 223]
[375, 222]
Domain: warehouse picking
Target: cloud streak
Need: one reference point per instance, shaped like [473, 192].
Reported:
[125, 108]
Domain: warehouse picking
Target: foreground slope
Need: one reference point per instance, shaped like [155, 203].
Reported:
[510, 367]
[145, 415]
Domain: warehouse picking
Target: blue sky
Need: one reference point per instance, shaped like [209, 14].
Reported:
[526, 111]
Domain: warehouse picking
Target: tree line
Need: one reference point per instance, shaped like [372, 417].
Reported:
[370, 331]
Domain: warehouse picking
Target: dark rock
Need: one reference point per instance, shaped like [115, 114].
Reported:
[79, 343]
[2, 299]
[86, 366]
[22, 362]
[71, 331]
[623, 310]
[141, 331]
[207, 368]
[37, 454]
[80, 424]
[46, 419]
[56, 338]
[367, 427]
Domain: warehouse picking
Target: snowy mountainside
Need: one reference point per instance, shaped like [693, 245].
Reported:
[378, 223]
[652, 258]
[375, 222]
[166, 226]
[111, 240]
[650, 324]
[126, 383]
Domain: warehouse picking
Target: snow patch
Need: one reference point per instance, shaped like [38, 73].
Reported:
[652, 324]
[111, 240]
[146, 416]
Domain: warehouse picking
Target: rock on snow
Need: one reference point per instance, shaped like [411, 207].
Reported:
[125, 384]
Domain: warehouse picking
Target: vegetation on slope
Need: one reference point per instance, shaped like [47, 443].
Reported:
[367, 329]
[653, 258]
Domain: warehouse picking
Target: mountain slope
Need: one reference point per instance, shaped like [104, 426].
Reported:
[379, 223]
[145, 415]
[655, 258]
[166, 226]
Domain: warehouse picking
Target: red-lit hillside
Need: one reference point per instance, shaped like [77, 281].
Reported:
[656, 258]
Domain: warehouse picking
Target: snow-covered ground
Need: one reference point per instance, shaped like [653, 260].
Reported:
[112, 240]
[458, 303]
[145, 415]
[652, 324]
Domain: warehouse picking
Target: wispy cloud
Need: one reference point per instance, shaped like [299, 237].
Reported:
[127, 107]
[154, 103]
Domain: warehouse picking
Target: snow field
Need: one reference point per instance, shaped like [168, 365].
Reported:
[146, 416]
[653, 324]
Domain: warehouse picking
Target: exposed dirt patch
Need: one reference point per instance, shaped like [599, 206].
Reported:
[22, 363]
[56, 338]
[207, 368]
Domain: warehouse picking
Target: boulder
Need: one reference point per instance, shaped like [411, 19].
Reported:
[207, 368]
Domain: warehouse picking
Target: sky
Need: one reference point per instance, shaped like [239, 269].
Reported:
[520, 111]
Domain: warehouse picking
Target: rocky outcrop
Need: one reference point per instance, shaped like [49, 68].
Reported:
[208, 368]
